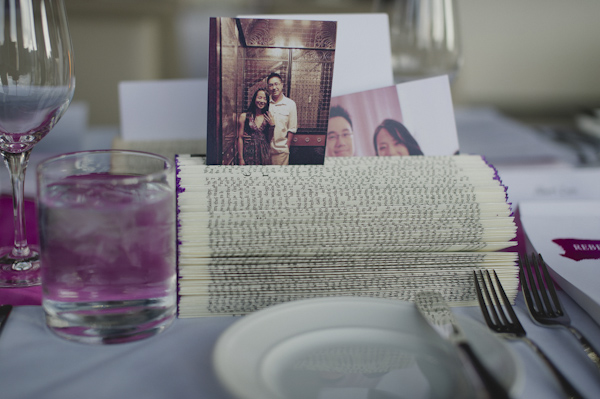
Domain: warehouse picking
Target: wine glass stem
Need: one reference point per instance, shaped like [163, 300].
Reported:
[17, 164]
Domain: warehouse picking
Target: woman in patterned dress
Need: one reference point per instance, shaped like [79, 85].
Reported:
[255, 131]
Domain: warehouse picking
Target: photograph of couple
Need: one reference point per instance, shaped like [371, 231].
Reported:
[390, 137]
[269, 91]
[266, 129]
[394, 121]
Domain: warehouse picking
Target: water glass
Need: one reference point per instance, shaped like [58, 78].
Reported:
[107, 244]
[424, 37]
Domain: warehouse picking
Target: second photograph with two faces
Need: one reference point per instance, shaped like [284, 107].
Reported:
[394, 121]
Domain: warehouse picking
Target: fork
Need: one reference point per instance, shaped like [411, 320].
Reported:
[497, 320]
[550, 312]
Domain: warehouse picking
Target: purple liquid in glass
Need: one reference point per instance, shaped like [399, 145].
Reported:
[108, 255]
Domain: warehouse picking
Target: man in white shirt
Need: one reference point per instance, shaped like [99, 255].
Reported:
[286, 121]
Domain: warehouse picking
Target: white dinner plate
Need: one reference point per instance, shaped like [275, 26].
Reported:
[350, 348]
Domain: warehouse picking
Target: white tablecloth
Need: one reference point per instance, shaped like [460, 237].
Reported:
[176, 364]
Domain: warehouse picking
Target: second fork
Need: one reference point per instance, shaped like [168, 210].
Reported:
[543, 302]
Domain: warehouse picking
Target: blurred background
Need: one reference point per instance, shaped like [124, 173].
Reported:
[528, 70]
[533, 59]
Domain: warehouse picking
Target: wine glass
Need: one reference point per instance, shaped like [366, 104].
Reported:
[37, 85]
[424, 38]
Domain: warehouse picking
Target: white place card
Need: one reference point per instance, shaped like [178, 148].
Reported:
[163, 109]
[551, 183]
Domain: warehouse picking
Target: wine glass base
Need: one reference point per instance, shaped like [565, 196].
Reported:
[17, 271]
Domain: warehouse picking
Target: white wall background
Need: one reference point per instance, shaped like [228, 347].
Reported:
[533, 56]
[530, 56]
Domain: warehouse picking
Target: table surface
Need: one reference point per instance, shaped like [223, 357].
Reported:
[34, 363]
[177, 363]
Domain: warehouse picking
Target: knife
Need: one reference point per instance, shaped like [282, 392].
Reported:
[4, 312]
[437, 313]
